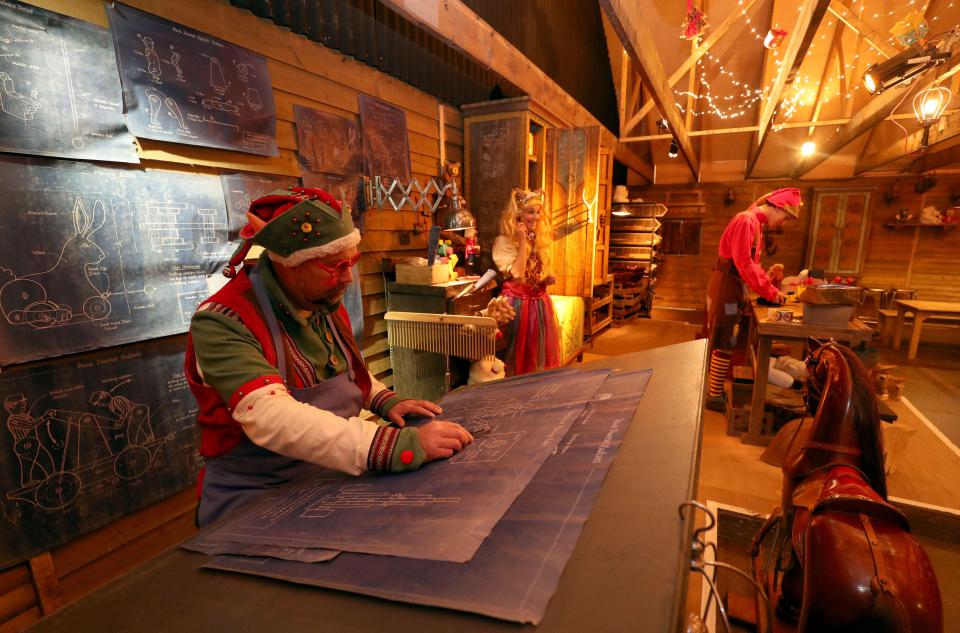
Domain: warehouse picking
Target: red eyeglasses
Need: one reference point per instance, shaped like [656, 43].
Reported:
[340, 267]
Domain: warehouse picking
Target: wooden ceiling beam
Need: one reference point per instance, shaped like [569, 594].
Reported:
[808, 21]
[902, 148]
[622, 93]
[877, 40]
[716, 32]
[876, 110]
[936, 160]
[455, 23]
[636, 38]
[836, 45]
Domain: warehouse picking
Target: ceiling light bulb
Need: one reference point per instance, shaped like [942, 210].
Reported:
[808, 148]
[674, 149]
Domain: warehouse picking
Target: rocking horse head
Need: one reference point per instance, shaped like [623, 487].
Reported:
[846, 425]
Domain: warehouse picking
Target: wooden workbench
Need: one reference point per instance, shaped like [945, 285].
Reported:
[763, 330]
[922, 310]
[628, 571]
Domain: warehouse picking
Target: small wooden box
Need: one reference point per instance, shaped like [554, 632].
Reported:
[422, 275]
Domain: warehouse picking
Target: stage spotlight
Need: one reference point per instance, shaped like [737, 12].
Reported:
[902, 67]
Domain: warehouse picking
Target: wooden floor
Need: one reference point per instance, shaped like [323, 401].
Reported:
[924, 457]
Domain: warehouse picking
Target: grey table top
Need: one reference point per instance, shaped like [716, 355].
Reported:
[628, 572]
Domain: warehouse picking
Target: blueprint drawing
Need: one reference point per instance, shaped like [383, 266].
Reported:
[446, 509]
[98, 256]
[90, 438]
[59, 88]
[517, 569]
[183, 86]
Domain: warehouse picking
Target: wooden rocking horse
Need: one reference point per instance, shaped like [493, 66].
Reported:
[842, 558]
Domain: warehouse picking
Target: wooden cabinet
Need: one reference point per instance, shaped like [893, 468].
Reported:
[838, 231]
[504, 147]
[510, 143]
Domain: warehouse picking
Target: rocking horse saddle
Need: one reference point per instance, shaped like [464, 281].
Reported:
[839, 489]
[846, 490]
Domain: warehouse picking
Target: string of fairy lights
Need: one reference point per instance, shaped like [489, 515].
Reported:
[738, 101]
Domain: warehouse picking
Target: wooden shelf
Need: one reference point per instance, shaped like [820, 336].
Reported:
[896, 226]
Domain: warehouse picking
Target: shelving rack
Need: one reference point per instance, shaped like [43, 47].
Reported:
[634, 246]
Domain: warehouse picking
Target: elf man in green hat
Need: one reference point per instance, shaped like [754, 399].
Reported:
[278, 377]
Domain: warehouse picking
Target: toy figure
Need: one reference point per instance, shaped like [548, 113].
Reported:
[903, 216]
[930, 215]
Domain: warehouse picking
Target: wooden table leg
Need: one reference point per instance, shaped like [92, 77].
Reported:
[754, 434]
[918, 319]
[898, 328]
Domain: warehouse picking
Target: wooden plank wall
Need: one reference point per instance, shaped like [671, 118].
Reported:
[302, 72]
[914, 258]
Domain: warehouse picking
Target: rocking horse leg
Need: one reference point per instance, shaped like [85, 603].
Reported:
[791, 592]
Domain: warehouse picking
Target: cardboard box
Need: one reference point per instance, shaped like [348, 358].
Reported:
[422, 275]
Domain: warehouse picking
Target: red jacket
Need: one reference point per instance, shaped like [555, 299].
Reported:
[219, 432]
[743, 233]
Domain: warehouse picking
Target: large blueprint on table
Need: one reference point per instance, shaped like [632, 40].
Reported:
[444, 510]
[518, 567]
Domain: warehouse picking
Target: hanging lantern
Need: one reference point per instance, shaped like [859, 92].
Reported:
[774, 38]
[694, 24]
[928, 107]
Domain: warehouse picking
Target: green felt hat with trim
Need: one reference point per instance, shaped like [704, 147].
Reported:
[296, 225]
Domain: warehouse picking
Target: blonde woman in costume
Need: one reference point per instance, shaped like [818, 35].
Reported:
[522, 253]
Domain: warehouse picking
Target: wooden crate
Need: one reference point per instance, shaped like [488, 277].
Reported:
[599, 308]
[422, 275]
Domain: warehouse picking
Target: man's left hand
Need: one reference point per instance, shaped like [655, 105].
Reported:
[412, 407]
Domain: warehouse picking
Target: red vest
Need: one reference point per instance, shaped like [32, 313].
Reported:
[219, 432]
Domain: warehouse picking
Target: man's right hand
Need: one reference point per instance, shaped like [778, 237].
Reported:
[441, 439]
[781, 298]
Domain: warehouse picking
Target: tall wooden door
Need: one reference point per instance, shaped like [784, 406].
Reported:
[601, 257]
[838, 231]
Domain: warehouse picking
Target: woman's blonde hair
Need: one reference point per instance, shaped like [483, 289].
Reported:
[521, 199]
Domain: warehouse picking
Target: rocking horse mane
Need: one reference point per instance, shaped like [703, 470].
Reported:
[863, 410]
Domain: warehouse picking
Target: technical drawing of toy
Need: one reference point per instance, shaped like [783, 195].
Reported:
[164, 228]
[24, 300]
[217, 80]
[153, 59]
[175, 62]
[253, 99]
[62, 451]
[354, 496]
[154, 100]
[14, 103]
[488, 448]
[216, 104]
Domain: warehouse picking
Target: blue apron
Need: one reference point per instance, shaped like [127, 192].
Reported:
[238, 477]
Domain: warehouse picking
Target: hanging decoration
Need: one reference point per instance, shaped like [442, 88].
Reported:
[910, 29]
[694, 24]
[774, 38]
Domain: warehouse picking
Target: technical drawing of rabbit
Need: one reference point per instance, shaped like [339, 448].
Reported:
[80, 253]
[78, 268]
